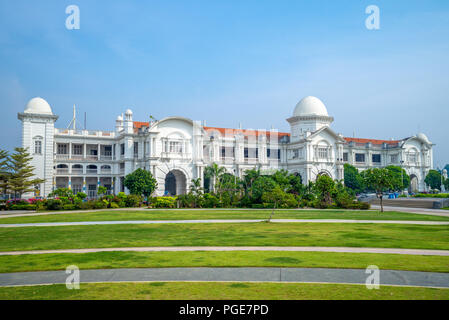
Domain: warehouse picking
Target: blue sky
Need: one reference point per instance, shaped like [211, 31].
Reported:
[226, 62]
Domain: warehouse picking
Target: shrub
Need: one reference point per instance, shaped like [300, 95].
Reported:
[211, 201]
[101, 204]
[360, 205]
[69, 207]
[22, 207]
[163, 202]
[54, 204]
[426, 195]
[132, 201]
[114, 205]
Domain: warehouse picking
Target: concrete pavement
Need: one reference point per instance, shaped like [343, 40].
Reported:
[90, 223]
[426, 252]
[287, 275]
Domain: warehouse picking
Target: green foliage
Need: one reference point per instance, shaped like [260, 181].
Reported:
[102, 190]
[163, 202]
[213, 173]
[396, 174]
[433, 179]
[21, 173]
[427, 195]
[211, 201]
[54, 204]
[132, 201]
[5, 173]
[23, 207]
[353, 179]
[378, 180]
[277, 198]
[62, 193]
[325, 187]
[140, 182]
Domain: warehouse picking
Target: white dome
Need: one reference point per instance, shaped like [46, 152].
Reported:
[423, 137]
[119, 118]
[310, 106]
[38, 106]
[129, 112]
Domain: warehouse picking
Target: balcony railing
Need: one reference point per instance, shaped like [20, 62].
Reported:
[91, 171]
[77, 171]
[106, 157]
[62, 156]
[106, 171]
[62, 171]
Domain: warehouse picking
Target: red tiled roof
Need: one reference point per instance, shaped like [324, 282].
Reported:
[373, 141]
[223, 131]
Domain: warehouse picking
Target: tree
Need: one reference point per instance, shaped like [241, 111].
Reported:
[353, 179]
[261, 185]
[140, 182]
[378, 180]
[324, 187]
[4, 171]
[433, 179]
[250, 176]
[102, 190]
[21, 179]
[399, 173]
[195, 187]
[214, 171]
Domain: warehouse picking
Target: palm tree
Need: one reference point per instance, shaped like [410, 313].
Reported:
[195, 187]
[214, 171]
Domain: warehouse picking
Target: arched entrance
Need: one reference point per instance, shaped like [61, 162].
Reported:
[175, 183]
[323, 173]
[414, 183]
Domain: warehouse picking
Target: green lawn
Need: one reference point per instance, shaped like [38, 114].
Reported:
[109, 260]
[221, 214]
[220, 291]
[226, 234]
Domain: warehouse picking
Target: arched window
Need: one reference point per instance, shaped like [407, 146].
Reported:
[37, 145]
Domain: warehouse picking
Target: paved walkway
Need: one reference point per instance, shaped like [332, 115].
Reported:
[89, 223]
[14, 214]
[292, 275]
[430, 212]
[426, 252]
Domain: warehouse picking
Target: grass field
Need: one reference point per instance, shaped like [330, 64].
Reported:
[226, 234]
[221, 214]
[109, 260]
[219, 291]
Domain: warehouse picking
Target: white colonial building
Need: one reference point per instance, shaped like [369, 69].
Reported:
[176, 150]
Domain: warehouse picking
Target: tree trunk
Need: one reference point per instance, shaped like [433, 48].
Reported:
[381, 204]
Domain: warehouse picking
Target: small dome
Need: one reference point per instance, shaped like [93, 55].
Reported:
[423, 137]
[120, 118]
[129, 112]
[310, 106]
[38, 106]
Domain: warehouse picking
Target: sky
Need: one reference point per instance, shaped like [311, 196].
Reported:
[230, 62]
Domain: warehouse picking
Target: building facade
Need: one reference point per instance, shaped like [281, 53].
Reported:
[176, 150]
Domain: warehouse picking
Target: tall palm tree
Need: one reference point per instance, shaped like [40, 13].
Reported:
[214, 171]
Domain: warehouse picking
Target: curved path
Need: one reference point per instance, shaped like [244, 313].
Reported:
[295, 275]
[88, 223]
[426, 252]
